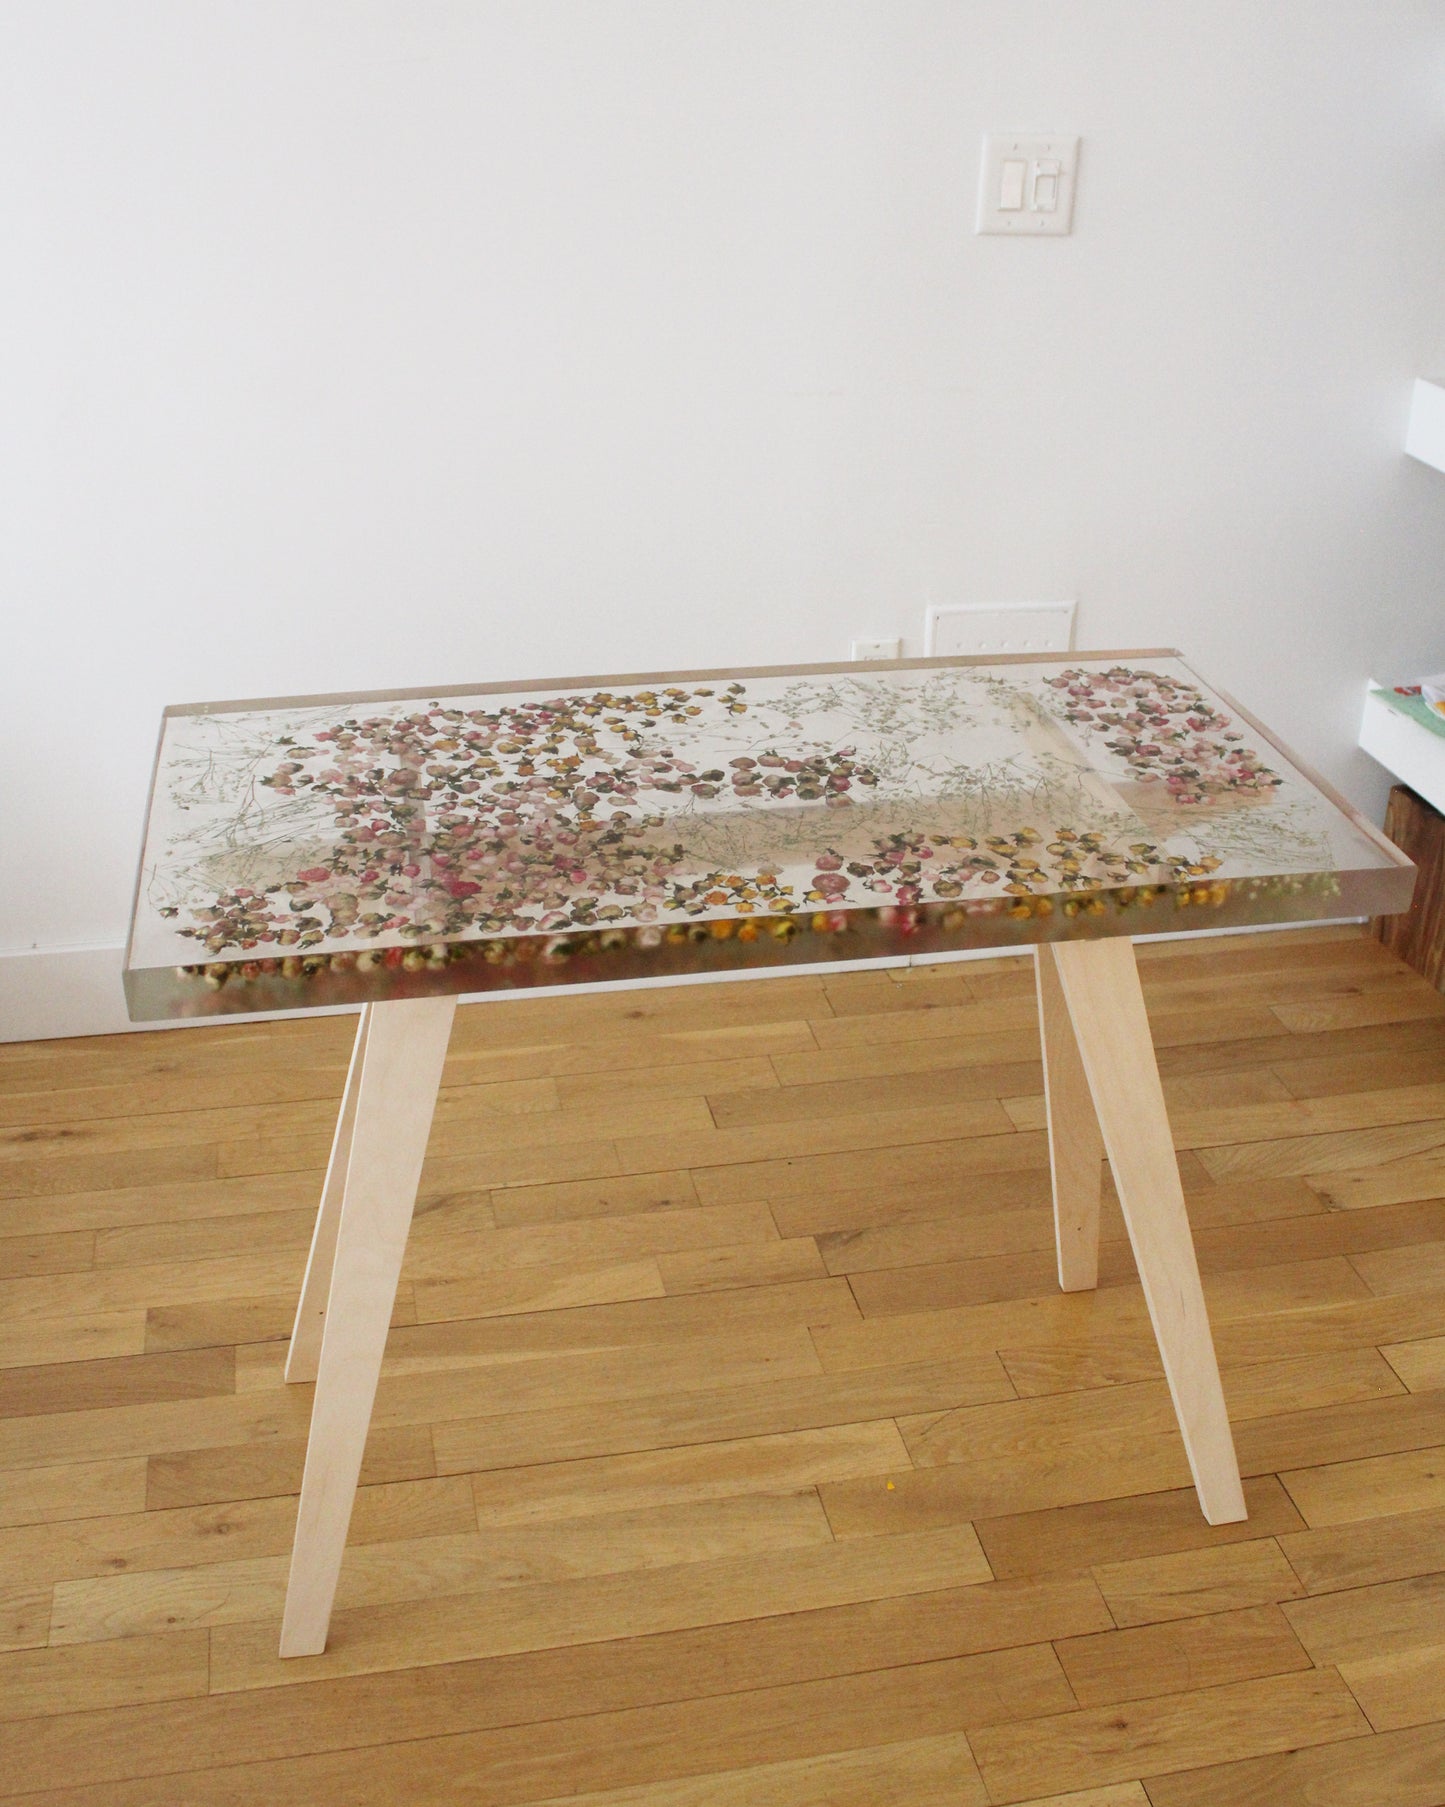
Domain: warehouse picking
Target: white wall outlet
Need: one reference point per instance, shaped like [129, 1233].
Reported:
[1026, 185]
[979, 628]
[876, 649]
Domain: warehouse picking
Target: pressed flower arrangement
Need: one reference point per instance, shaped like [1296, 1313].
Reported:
[689, 824]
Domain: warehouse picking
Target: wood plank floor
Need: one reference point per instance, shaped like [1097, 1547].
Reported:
[735, 1447]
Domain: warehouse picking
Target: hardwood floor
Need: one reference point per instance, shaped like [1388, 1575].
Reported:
[735, 1446]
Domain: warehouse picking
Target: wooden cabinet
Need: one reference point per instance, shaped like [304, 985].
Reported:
[1418, 936]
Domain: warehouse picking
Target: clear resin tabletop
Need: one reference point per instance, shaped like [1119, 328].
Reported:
[329, 850]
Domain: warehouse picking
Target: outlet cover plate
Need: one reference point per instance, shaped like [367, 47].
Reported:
[976, 629]
[876, 649]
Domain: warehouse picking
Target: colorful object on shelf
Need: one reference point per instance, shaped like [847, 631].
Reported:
[326, 850]
[1410, 700]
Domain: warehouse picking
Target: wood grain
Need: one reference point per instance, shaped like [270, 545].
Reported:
[1119, 1530]
[1184, 1653]
[1076, 1143]
[932, 1772]
[1418, 934]
[82, 1386]
[371, 1638]
[1421, 1365]
[701, 1667]
[1402, 1769]
[1361, 1552]
[1152, 1736]
[35, 1683]
[1339, 1493]
[1407, 1687]
[734, 1542]
[1192, 1583]
[1367, 1622]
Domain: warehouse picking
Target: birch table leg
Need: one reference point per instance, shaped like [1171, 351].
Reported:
[305, 1350]
[1100, 982]
[1076, 1147]
[406, 1043]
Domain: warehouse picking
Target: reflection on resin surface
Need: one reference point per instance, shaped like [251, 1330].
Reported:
[687, 824]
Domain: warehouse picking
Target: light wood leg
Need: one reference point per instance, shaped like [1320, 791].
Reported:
[305, 1350]
[1076, 1146]
[406, 1043]
[1100, 982]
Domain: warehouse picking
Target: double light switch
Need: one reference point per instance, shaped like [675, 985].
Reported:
[1027, 185]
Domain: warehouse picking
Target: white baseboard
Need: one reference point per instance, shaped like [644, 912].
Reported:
[61, 991]
[50, 993]
[47, 993]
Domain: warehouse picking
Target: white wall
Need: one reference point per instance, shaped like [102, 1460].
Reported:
[359, 342]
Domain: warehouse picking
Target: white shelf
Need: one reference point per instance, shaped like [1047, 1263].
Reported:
[1405, 748]
[1425, 435]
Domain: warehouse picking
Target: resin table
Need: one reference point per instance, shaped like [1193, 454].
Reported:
[397, 850]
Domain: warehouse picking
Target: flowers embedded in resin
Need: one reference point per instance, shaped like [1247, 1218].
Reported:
[724, 944]
[1167, 731]
[562, 813]
[376, 846]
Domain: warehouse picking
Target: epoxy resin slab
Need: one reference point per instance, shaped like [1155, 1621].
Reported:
[327, 850]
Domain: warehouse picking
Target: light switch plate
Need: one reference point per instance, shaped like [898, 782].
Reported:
[979, 628]
[1026, 185]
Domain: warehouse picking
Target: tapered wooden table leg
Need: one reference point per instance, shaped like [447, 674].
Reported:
[305, 1350]
[1076, 1148]
[1100, 982]
[406, 1043]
